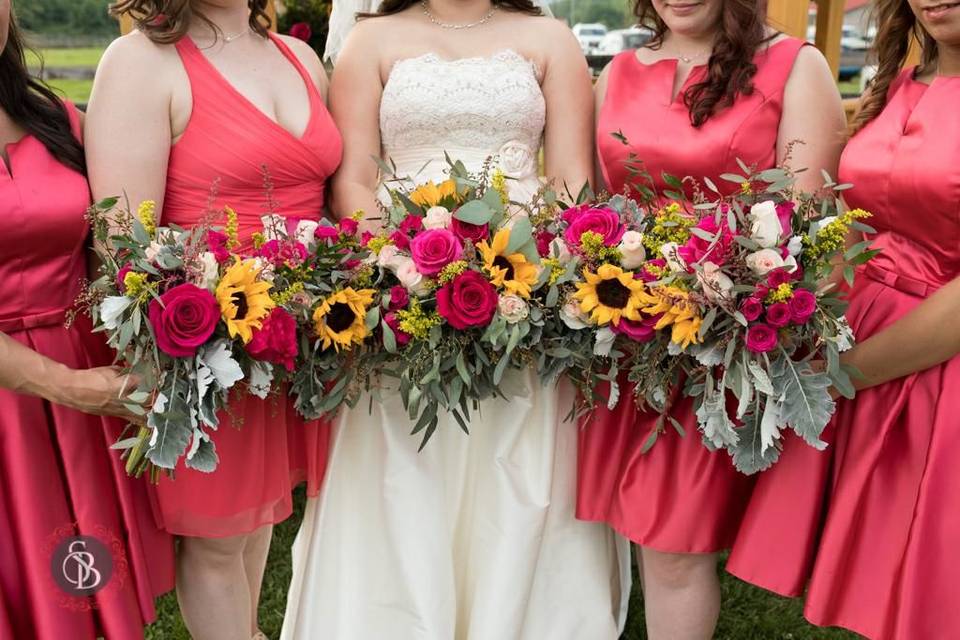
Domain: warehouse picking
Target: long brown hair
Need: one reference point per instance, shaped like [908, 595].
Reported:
[731, 68]
[390, 7]
[167, 21]
[897, 28]
[34, 106]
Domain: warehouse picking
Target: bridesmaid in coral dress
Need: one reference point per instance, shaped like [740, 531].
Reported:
[756, 93]
[888, 554]
[200, 120]
[58, 478]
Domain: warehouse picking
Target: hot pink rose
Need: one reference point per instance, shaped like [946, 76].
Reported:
[469, 300]
[698, 249]
[399, 298]
[778, 314]
[778, 277]
[434, 249]
[365, 238]
[301, 31]
[802, 306]
[183, 319]
[290, 253]
[637, 331]
[409, 226]
[605, 222]
[648, 276]
[785, 214]
[402, 337]
[751, 308]
[761, 338]
[326, 232]
[218, 246]
[544, 238]
[349, 226]
[276, 340]
[467, 231]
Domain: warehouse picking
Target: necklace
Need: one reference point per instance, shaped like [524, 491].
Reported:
[691, 58]
[446, 25]
[228, 39]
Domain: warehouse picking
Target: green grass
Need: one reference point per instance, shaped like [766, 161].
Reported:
[86, 57]
[76, 91]
[748, 613]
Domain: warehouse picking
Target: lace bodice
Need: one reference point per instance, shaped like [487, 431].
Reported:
[471, 108]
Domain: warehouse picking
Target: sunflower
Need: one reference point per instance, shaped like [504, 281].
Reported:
[244, 299]
[678, 310]
[340, 319]
[512, 271]
[611, 294]
[431, 195]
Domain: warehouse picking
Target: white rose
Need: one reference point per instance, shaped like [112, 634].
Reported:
[209, 271]
[153, 251]
[790, 263]
[604, 342]
[513, 308]
[631, 249]
[674, 261]
[304, 232]
[765, 229]
[764, 261]
[559, 251]
[112, 308]
[795, 246]
[437, 218]
[517, 159]
[388, 256]
[274, 227]
[412, 280]
[572, 316]
[716, 284]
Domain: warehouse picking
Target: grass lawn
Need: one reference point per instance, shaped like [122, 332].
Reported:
[76, 91]
[86, 57]
[748, 613]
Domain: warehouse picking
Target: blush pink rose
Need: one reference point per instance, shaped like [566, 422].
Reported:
[276, 340]
[469, 300]
[802, 306]
[761, 338]
[434, 249]
[183, 319]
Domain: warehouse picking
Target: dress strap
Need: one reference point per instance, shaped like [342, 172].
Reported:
[295, 61]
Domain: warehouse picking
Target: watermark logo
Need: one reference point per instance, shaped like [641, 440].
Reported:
[81, 565]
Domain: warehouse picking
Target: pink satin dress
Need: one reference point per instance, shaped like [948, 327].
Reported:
[58, 477]
[678, 497]
[888, 553]
[265, 448]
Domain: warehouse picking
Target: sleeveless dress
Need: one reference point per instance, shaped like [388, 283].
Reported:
[475, 537]
[678, 497]
[886, 562]
[58, 477]
[265, 448]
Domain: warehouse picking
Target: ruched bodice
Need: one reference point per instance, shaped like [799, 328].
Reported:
[471, 108]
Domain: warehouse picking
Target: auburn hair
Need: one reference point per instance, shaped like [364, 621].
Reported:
[167, 21]
[897, 28]
[731, 68]
[390, 7]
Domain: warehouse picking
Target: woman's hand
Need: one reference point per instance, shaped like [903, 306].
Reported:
[101, 391]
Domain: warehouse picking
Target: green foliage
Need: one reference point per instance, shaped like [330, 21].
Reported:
[66, 17]
[315, 13]
[615, 14]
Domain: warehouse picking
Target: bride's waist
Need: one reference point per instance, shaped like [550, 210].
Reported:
[429, 162]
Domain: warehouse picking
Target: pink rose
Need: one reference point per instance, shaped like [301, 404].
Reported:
[778, 314]
[605, 222]
[778, 277]
[785, 215]
[301, 31]
[217, 242]
[802, 306]
[410, 225]
[276, 340]
[290, 253]
[434, 249]
[469, 300]
[349, 226]
[761, 338]
[751, 308]
[183, 319]
[544, 238]
[637, 331]
[365, 238]
[698, 249]
[399, 298]
[467, 231]
[649, 276]
[327, 232]
[402, 337]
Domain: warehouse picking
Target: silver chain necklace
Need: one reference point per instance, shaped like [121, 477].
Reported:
[446, 25]
[228, 39]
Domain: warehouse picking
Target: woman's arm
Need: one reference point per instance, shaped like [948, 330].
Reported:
[568, 90]
[600, 94]
[813, 121]
[311, 62]
[355, 92]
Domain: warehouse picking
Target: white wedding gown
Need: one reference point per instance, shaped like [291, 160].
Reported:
[474, 538]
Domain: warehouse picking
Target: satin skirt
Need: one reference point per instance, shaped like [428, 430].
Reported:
[474, 538]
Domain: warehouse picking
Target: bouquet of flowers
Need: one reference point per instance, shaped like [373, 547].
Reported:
[188, 316]
[460, 281]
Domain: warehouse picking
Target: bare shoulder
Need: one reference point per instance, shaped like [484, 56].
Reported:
[135, 51]
[307, 57]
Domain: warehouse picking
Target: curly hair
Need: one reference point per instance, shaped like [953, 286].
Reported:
[167, 21]
[390, 7]
[731, 68]
[897, 28]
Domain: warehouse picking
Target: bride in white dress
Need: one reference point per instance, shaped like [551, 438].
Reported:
[475, 537]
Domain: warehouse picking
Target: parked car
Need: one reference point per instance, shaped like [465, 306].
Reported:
[623, 40]
[589, 35]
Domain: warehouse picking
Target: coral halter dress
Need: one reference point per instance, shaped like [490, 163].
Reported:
[678, 497]
[229, 145]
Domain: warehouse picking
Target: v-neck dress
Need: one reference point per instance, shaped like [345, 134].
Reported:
[222, 158]
[677, 497]
[58, 477]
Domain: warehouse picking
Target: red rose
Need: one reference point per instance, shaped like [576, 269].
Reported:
[751, 308]
[121, 276]
[642, 331]
[544, 238]
[326, 232]
[778, 314]
[778, 277]
[761, 338]
[803, 304]
[349, 226]
[217, 242]
[399, 298]
[467, 231]
[434, 249]
[183, 319]
[468, 301]
[301, 31]
[402, 337]
[276, 340]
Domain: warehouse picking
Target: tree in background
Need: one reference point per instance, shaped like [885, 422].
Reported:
[615, 14]
[67, 17]
[315, 14]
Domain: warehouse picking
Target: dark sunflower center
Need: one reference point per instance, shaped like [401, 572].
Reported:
[503, 263]
[340, 317]
[613, 294]
[240, 300]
